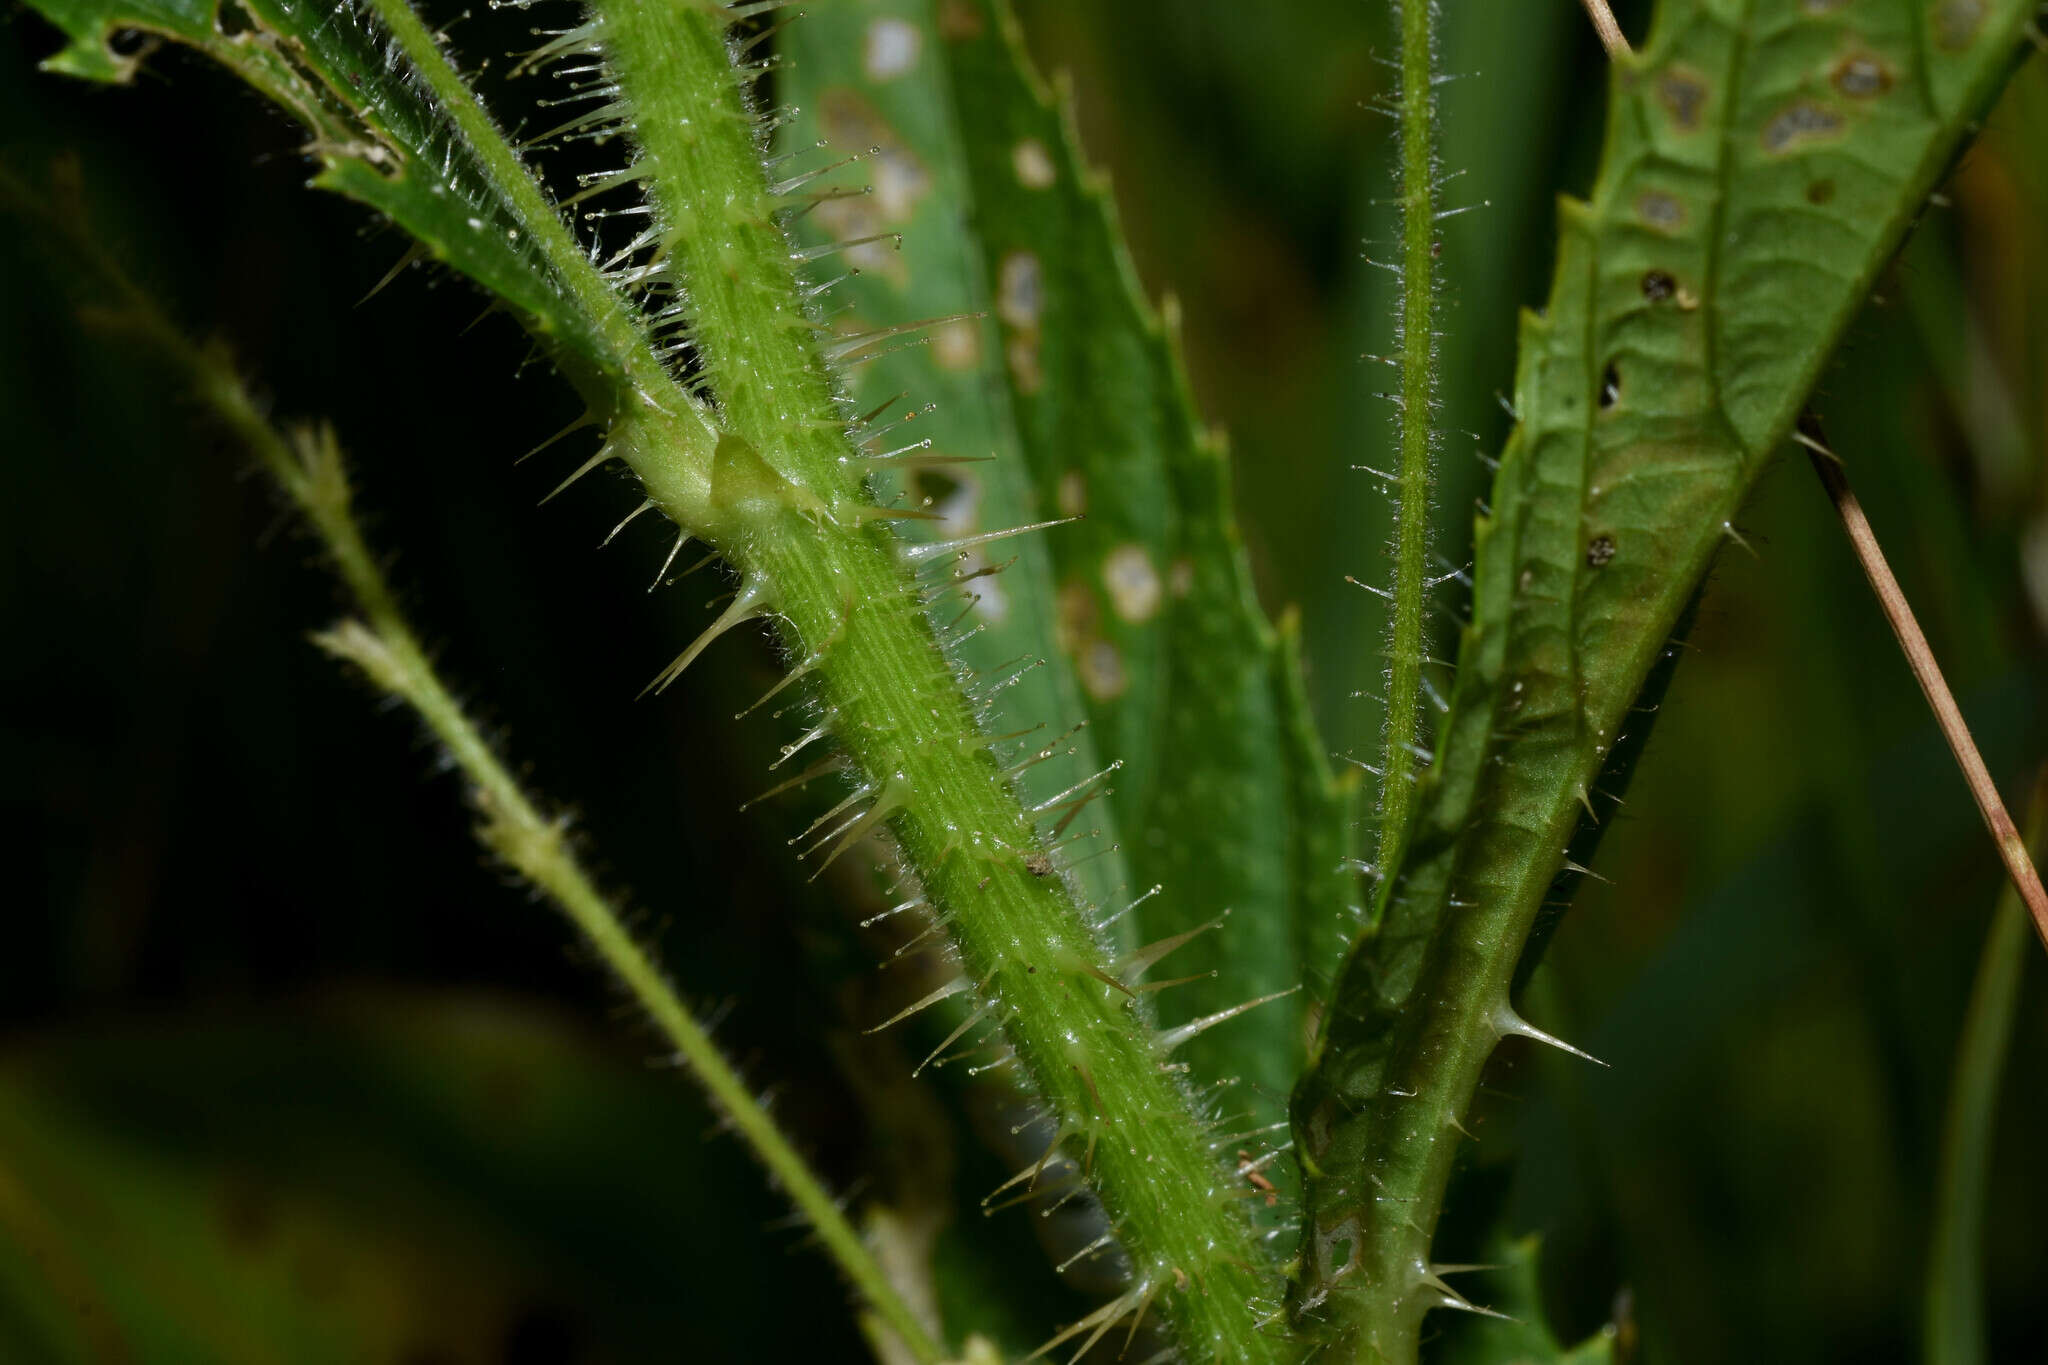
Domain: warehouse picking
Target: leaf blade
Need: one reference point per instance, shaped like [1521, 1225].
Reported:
[1764, 159]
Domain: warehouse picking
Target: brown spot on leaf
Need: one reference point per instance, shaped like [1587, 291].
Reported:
[1660, 210]
[1020, 293]
[1020, 299]
[899, 178]
[1599, 552]
[959, 21]
[1862, 76]
[1074, 621]
[1820, 192]
[1798, 123]
[1683, 96]
[1956, 22]
[1658, 285]
[1102, 671]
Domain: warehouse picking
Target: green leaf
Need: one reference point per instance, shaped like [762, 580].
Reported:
[1144, 607]
[1764, 160]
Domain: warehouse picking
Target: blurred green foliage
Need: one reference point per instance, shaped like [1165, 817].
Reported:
[215, 832]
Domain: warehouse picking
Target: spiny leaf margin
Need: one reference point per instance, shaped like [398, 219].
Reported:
[1764, 160]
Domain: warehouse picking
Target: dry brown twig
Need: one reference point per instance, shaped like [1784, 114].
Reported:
[1611, 36]
[1920, 658]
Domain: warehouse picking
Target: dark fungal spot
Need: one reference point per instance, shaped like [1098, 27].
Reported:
[1956, 22]
[1599, 552]
[1798, 123]
[1862, 76]
[1610, 387]
[1660, 210]
[1658, 285]
[1683, 95]
[1820, 192]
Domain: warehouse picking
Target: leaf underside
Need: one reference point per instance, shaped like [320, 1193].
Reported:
[1764, 160]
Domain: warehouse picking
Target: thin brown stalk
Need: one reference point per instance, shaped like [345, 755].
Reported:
[1611, 36]
[1920, 658]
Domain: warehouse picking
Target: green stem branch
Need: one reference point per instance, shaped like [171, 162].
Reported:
[1417, 402]
[382, 644]
[1953, 1331]
[667, 430]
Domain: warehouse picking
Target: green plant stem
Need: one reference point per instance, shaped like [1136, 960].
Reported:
[791, 512]
[1665, 371]
[648, 411]
[309, 468]
[1417, 114]
[1953, 1330]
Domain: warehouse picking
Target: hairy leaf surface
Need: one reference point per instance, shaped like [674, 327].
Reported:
[1764, 159]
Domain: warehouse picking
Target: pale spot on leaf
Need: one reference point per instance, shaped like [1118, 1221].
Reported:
[1033, 165]
[892, 47]
[1102, 671]
[1660, 210]
[1800, 123]
[1133, 583]
[1020, 290]
[1073, 493]
[957, 345]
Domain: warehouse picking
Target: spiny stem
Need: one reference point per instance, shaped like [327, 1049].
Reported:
[1417, 112]
[535, 847]
[649, 410]
[308, 467]
[1953, 1332]
[2012, 849]
[792, 514]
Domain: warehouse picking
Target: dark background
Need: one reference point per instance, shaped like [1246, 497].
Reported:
[290, 1044]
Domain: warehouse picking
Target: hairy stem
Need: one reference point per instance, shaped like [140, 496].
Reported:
[789, 508]
[1953, 1330]
[308, 466]
[1417, 113]
[647, 410]
[1677, 349]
